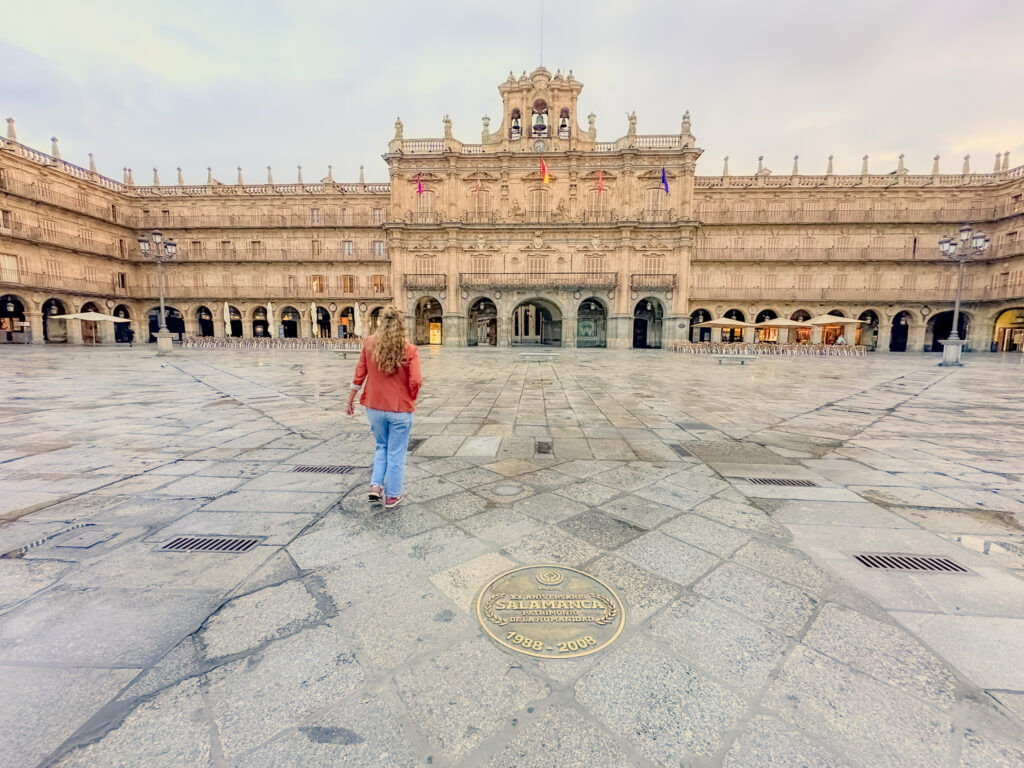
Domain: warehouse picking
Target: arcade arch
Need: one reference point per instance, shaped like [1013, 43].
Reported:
[537, 321]
[592, 323]
[648, 315]
[429, 321]
[1008, 331]
[482, 328]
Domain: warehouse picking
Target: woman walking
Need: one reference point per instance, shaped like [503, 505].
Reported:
[390, 366]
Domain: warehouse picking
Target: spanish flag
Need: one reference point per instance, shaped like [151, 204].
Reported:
[544, 171]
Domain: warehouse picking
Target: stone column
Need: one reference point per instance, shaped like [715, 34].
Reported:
[783, 336]
[620, 332]
[105, 333]
[219, 330]
[850, 332]
[749, 335]
[979, 335]
[569, 329]
[74, 328]
[716, 335]
[35, 324]
[504, 331]
[305, 326]
[816, 332]
[915, 337]
[884, 335]
[453, 330]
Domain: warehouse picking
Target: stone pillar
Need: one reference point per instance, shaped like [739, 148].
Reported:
[915, 337]
[191, 324]
[620, 332]
[141, 325]
[453, 330]
[850, 332]
[105, 333]
[816, 332]
[305, 326]
[74, 328]
[504, 331]
[749, 335]
[979, 335]
[884, 335]
[569, 328]
[783, 335]
[219, 330]
[246, 324]
[716, 335]
[35, 324]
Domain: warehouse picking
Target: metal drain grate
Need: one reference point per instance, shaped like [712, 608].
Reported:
[894, 562]
[680, 451]
[779, 481]
[415, 442]
[327, 470]
[544, 447]
[228, 544]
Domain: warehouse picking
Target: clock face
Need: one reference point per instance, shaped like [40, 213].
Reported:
[539, 146]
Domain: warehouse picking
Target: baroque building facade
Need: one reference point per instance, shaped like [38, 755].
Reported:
[537, 234]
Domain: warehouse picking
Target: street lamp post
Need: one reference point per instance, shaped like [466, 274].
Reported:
[160, 250]
[970, 245]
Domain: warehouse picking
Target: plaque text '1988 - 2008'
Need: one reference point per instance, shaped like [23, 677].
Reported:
[550, 611]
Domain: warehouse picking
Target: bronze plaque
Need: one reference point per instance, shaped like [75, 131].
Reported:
[550, 611]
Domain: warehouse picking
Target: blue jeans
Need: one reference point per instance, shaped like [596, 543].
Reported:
[391, 433]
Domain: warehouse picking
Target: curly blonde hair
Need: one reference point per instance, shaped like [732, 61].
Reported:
[389, 341]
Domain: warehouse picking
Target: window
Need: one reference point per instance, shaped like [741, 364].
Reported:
[653, 264]
[909, 281]
[380, 283]
[315, 216]
[654, 204]
[317, 283]
[346, 247]
[314, 248]
[225, 247]
[536, 264]
[122, 247]
[1016, 204]
[256, 248]
[803, 282]
[426, 264]
[425, 206]
[874, 282]
[348, 284]
[3, 178]
[290, 282]
[165, 217]
[113, 212]
[839, 282]
[195, 248]
[53, 268]
[90, 274]
[9, 268]
[85, 234]
[593, 262]
[6, 219]
[378, 215]
[481, 263]
[597, 204]
[770, 281]
[736, 280]
[121, 280]
[258, 280]
[538, 202]
[378, 247]
[481, 202]
[49, 227]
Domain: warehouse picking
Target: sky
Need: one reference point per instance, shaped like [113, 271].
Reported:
[220, 83]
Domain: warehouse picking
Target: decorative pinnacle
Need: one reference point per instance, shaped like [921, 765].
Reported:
[240, 182]
[725, 166]
[796, 169]
[11, 135]
[209, 175]
[967, 165]
[330, 175]
[999, 156]
[92, 163]
[361, 179]
[935, 166]
[760, 163]
[156, 178]
[54, 149]
[181, 179]
[131, 178]
[1006, 160]
[864, 166]
[270, 177]
[899, 165]
[300, 175]
[828, 168]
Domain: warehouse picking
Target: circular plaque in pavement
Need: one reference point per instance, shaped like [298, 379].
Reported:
[550, 611]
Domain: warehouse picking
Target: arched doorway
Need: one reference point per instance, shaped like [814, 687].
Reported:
[592, 324]
[323, 323]
[374, 318]
[54, 331]
[175, 322]
[121, 335]
[290, 323]
[346, 323]
[939, 327]
[537, 321]
[429, 321]
[699, 334]
[733, 335]
[767, 335]
[831, 333]
[900, 331]
[260, 326]
[1009, 331]
[234, 323]
[867, 334]
[204, 321]
[647, 320]
[13, 326]
[90, 329]
[482, 328]
[801, 335]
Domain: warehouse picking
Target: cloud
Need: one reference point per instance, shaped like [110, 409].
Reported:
[280, 83]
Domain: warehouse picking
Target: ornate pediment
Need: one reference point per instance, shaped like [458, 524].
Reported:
[595, 176]
[538, 177]
[655, 175]
[483, 176]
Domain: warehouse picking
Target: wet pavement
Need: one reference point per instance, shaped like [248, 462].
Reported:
[723, 504]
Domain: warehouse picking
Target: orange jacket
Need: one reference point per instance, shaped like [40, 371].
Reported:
[396, 392]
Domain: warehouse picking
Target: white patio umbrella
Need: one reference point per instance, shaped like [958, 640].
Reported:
[833, 320]
[783, 322]
[724, 322]
[312, 319]
[227, 319]
[94, 316]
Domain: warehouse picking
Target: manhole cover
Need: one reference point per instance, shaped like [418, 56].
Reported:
[506, 490]
[550, 611]
[544, 447]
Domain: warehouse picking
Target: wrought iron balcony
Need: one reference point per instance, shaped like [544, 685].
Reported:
[426, 281]
[538, 279]
[663, 282]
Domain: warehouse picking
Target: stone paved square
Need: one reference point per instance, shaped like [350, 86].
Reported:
[349, 635]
